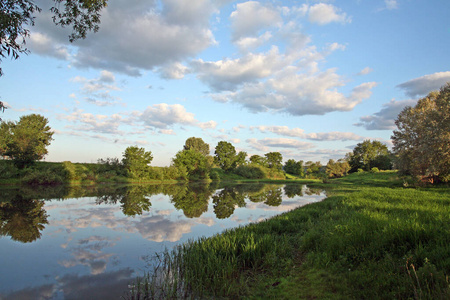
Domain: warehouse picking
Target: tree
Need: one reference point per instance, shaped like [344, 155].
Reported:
[337, 168]
[194, 164]
[313, 168]
[370, 154]
[422, 139]
[294, 168]
[197, 144]
[25, 141]
[273, 160]
[16, 15]
[225, 156]
[259, 160]
[136, 161]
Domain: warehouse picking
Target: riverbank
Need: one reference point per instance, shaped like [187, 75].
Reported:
[373, 237]
[68, 173]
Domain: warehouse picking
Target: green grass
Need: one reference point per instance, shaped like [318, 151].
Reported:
[370, 239]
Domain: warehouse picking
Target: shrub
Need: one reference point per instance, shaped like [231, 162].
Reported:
[43, 177]
[374, 170]
[250, 171]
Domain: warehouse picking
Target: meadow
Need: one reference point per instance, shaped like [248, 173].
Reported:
[375, 236]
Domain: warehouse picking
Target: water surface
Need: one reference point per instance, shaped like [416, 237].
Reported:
[91, 242]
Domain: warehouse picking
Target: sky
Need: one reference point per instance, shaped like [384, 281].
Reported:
[308, 79]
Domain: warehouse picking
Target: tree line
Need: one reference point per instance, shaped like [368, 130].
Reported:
[421, 149]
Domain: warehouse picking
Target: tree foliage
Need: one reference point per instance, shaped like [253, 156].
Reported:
[258, 160]
[336, 169]
[197, 144]
[25, 141]
[370, 154]
[192, 164]
[16, 15]
[294, 167]
[422, 138]
[225, 156]
[313, 168]
[136, 161]
[273, 160]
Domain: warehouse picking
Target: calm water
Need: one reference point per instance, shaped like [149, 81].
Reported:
[90, 242]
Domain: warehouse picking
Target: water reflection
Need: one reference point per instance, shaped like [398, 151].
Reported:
[22, 218]
[88, 240]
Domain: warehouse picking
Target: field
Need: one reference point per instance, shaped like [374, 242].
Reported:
[374, 237]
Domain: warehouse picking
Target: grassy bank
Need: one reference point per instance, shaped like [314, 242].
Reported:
[371, 238]
[54, 173]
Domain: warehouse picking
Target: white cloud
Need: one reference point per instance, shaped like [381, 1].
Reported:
[323, 14]
[300, 133]
[365, 71]
[165, 115]
[267, 143]
[421, 86]
[251, 17]
[391, 4]
[136, 35]
[98, 90]
[43, 45]
[173, 71]
[384, 119]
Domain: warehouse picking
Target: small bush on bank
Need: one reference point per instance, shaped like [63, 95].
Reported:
[250, 171]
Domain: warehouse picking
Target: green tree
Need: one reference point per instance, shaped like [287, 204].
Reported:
[25, 141]
[197, 144]
[259, 160]
[273, 160]
[193, 164]
[17, 15]
[225, 156]
[136, 161]
[422, 138]
[313, 168]
[294, 167]
[370, 154]
[337, 168]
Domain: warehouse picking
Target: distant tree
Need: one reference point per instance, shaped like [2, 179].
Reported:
[25, 141]
[259, 160]
[17, 15]
[337, 168]
[273, 160]
[369, 154]
[422, 138]
[313, 168]
[136, 161]
[240, 158]
[225, 156]
[193, 164]
[197, 144]
[294, 167]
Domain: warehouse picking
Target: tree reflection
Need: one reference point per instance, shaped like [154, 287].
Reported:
[22, 219]
[292, 190]
[193, 199]
[269, 195]
[226, 201]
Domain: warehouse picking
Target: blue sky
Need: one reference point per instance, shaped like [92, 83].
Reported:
[309, 79]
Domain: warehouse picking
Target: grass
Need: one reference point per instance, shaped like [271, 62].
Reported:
[371, 238]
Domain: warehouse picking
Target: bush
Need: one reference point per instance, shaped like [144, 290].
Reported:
[8, 170]
[43, 177]
[250, 171]
[374, 170]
